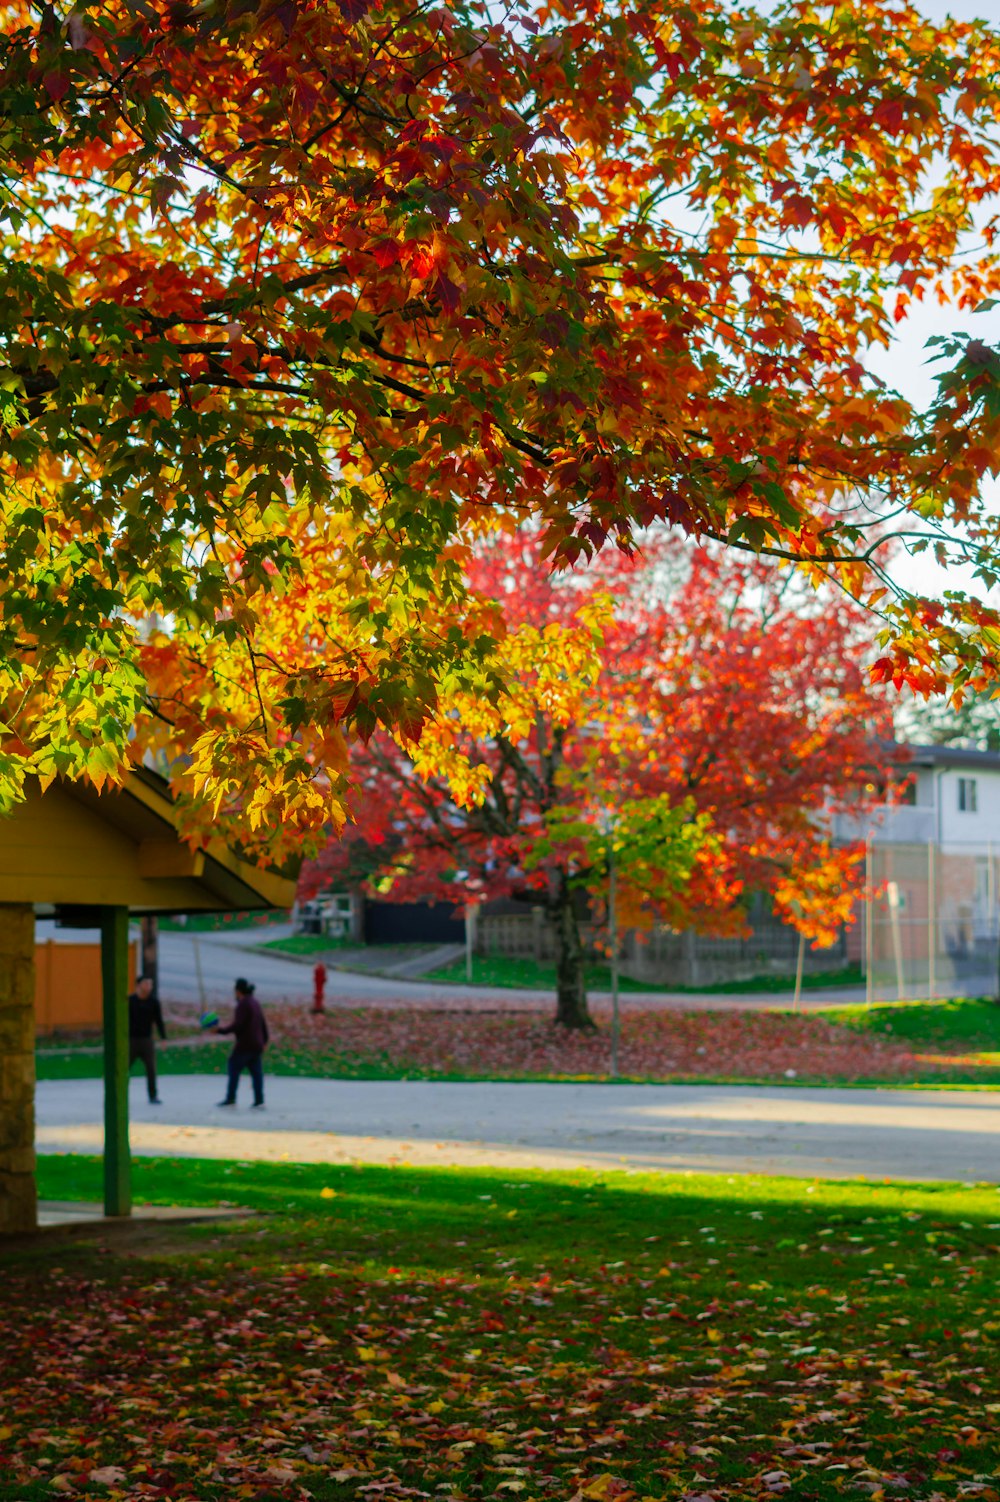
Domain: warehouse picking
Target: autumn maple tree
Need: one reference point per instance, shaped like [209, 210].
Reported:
[717, 717]
[300, 295]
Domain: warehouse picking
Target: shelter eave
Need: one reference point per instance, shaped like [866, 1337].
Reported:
[75, 846]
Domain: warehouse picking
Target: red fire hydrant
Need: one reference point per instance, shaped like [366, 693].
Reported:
[319, 986]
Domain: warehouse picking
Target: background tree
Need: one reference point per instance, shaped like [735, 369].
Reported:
[299, 295]
[974, 721]
[715, 691]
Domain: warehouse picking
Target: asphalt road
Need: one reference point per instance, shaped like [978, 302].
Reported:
[193, 966]
[947, 1135]
[203, 967]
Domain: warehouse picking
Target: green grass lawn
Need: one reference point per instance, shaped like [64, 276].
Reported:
[969, 1022]
[817, 980]
[399, 1333]
[211, 1059]
[345, 1066]
[530, 975]
[525, 975]
[307, 944]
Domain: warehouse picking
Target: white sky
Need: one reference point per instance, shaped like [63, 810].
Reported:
[906, 366]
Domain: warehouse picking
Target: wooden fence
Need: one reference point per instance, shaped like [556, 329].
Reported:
[68, 986]
[662, 956]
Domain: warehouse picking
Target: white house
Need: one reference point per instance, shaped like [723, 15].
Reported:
[931, 922]
[952, 801]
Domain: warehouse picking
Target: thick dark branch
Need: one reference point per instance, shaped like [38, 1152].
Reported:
[523, 770]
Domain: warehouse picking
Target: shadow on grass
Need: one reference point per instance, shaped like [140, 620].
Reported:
[608, 1209]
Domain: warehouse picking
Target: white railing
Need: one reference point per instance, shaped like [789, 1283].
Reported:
[888, 824]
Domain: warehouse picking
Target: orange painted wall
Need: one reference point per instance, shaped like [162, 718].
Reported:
[68, 986]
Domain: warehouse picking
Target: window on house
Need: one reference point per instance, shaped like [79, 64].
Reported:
[967, 795]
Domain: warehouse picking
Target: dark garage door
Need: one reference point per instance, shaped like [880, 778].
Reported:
[413, 923]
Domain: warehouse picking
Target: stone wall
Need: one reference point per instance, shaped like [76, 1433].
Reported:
[17, 1068]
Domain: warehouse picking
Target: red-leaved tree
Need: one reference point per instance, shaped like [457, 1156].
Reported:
[717, 706]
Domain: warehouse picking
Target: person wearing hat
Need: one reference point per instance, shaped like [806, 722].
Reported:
[250, 1035]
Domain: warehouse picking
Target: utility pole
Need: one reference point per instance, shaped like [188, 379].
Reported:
[800, 966]
[613, 939]
[869, 924]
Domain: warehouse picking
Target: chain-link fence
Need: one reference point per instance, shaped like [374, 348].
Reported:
[929, 927]
[930, 921]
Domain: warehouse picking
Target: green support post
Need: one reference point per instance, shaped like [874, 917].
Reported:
[114, 977]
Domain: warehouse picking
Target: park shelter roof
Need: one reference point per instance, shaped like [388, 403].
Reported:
[73, 847]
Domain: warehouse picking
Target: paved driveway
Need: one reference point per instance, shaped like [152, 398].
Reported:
[827, 1133]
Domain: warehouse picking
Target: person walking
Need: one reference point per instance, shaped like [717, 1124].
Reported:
[250, 1035]
[143, 1015]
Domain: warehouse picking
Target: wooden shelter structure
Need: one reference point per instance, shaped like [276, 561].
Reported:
[96, 859]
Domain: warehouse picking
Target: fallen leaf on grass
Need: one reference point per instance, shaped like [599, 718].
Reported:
[527, 1354]
[606, 1489]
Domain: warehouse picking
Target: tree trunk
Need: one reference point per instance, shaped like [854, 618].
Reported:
[151, 951]
[571, 991]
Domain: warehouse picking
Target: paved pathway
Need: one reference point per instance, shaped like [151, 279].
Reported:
[811, 1132]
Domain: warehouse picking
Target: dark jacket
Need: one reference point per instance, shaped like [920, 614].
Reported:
[248, 1026]
[143, 1015]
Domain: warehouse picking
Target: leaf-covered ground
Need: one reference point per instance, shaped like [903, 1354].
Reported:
[389, 1043]
[393, 1334]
